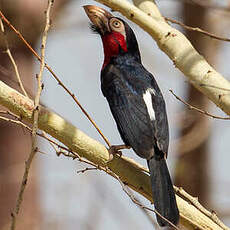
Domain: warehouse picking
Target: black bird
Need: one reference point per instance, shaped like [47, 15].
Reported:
[137, 105]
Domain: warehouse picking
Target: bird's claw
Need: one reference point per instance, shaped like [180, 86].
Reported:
[114, 150]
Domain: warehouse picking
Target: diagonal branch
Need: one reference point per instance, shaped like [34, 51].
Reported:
[127, 170]
[177, 47]
[191, 107]
[197, 29]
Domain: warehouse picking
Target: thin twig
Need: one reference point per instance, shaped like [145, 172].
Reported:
[69, 153]
[64, 150]
[9, 113]
[86, 169]
[191, 107]
[134, 200]
[15, 122]
[39, 151]
[128, 192]
[55, 76]
[194, 201]
[35, 120]
[51, 143]
[196, 29]
[12, 59]
[59, 149]
[145, 211]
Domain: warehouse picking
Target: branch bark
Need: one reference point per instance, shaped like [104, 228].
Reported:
[128, 171]
[178, 48]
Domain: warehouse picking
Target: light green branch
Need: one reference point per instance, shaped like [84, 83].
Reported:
[129, 171]
[178, 48]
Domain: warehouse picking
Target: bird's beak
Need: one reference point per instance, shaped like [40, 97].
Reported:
[99, 17]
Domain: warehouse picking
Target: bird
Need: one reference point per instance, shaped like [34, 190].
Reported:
[137, 105]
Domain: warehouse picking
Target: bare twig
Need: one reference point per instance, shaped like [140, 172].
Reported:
[15, 122]
[86, 169]
[197, 109]
[55, 76]
[127, 191]
[194, 201]
[67, 152]
[39, 151]
[134, 200]
[51, 143]
[63, 150]
[35, 119]
[196, 29]
[145, 211]
[9, 113]
[12, 59]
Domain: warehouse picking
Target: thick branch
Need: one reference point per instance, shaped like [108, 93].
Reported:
[128, 171]
[178, 48]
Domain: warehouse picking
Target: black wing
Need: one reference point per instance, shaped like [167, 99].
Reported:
[161, 123]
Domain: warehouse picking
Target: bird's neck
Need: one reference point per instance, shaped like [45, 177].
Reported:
[114, 44]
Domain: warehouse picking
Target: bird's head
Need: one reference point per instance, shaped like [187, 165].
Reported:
[117, 37]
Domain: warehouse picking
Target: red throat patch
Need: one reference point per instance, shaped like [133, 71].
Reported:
[111, 43]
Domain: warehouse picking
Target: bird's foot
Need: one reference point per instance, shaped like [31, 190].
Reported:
[114, 150]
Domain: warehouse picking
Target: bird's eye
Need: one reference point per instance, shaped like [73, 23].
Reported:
[116, 24]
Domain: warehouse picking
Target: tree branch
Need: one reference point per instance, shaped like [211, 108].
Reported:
[126, 169]
[197, 29]
[177, 47]
[191, 107]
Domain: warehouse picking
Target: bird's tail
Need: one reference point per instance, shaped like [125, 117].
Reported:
[162, 190]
